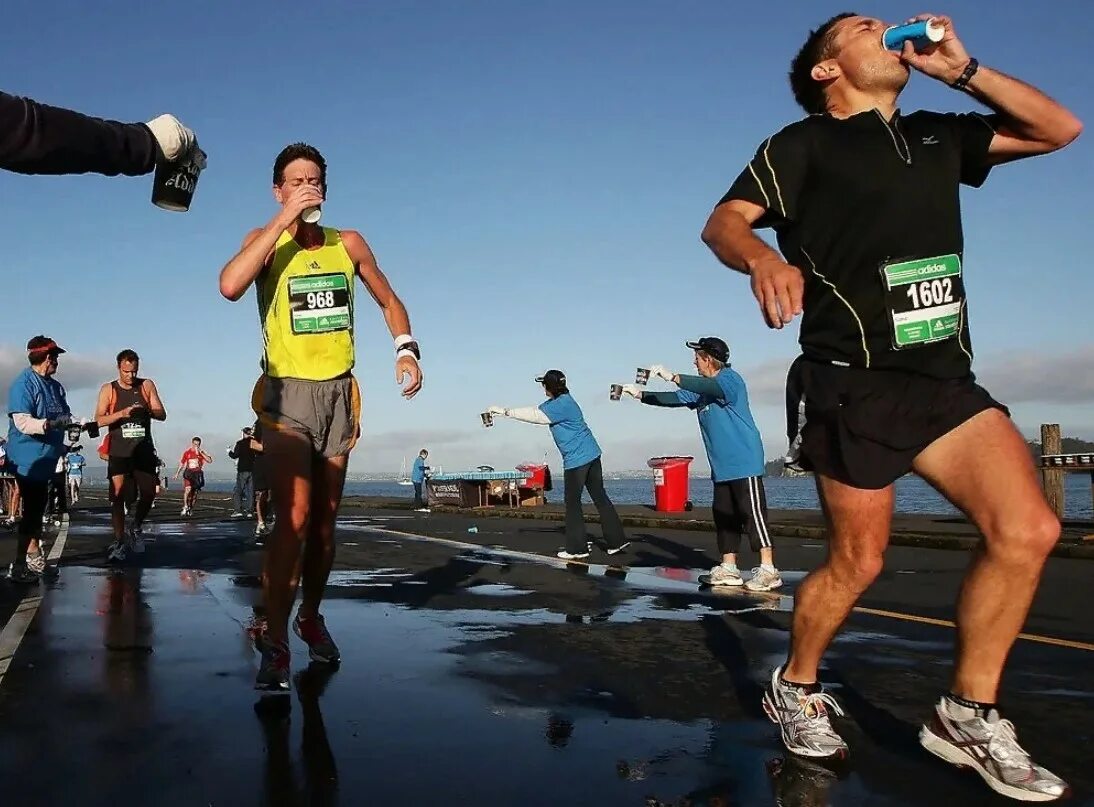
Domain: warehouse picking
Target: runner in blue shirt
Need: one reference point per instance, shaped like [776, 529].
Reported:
[719, 397]
[38, 415]
[74, 464]
[580, 461]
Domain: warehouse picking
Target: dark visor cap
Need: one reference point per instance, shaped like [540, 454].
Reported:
[712, 346]
[554, 378]
[43, 344]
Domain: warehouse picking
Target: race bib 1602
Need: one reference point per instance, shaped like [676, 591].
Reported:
[924, 298]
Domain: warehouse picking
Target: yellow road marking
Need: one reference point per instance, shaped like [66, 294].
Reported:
[946, 623]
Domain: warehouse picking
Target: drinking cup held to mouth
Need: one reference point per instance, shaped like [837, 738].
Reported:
[920, 34]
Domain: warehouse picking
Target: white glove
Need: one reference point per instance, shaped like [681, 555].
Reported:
[661, 371]
[496, 410]
[173, 138]
[633, 390]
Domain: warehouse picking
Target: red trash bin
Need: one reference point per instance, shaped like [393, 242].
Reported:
[670, 483]
[538, 478]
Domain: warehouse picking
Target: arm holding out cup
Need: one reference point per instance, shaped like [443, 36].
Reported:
[41, 139]
[525, 414]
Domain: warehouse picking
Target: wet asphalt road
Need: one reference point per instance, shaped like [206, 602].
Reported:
[474, 673]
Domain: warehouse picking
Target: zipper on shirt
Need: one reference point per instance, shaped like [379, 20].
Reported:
[894, 131]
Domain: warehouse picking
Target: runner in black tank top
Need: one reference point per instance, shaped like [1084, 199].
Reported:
[127, 408]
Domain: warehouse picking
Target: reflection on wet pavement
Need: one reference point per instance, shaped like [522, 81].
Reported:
[470, 676]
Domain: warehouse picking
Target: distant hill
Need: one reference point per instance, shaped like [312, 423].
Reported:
[1068, 445]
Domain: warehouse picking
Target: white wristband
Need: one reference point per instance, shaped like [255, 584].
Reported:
[406, 345]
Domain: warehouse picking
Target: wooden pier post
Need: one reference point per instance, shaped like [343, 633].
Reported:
[1052, 479]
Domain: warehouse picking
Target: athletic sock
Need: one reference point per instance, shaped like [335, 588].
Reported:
[964, 709]
[808, 689]
[732, 567]
[767, 567]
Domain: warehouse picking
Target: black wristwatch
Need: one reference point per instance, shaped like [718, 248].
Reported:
[964, 79]
[410, 347]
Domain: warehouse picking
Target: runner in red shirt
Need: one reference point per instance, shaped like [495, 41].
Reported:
[191, 466]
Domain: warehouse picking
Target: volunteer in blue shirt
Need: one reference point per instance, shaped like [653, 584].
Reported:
[580, 462]
[735, 453]
[417, 478]
[38, 415]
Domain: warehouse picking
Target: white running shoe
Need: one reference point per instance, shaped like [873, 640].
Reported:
[803, 719]
[989, 745]
[185, 511]
[37, 563]
[572, 555]
[722, 575]
[764, 579]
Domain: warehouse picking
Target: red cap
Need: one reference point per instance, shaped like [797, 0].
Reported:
[43, 344]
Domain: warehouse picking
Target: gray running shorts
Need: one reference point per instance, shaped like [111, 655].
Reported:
[328, 413]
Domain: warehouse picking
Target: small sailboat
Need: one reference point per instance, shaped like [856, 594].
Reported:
[404, 479]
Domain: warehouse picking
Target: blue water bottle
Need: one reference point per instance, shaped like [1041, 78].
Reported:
[920, 34]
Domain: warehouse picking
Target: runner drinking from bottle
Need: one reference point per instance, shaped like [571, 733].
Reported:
[865, 204]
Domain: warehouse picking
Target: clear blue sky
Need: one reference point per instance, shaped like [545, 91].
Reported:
[533, 179]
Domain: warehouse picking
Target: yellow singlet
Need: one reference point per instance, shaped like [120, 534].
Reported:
[305, 304]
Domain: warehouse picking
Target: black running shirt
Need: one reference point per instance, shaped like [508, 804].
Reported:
[870, 212]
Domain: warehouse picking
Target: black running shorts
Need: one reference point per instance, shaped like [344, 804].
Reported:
[864, 428]
[143, 460]
[193, 478]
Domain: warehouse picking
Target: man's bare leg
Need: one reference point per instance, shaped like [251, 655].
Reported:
[984, 468]
[290, 460]
[117, 507]
[328, 481]
[858, 532]
[146, 489]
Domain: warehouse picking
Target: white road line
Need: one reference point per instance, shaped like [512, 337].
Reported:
[12, 634]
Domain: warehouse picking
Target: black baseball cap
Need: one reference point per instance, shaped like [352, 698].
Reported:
[555, 378]
[43, 343]
[712, 346]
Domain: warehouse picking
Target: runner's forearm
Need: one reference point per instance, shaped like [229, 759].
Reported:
[1025, 111]
[40, 139]
[240, 272]
[729, 236]
[396, 317]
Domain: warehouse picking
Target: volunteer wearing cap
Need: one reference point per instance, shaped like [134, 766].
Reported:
[580, 461]
[38, 415]
[40, 139]
[735, 453]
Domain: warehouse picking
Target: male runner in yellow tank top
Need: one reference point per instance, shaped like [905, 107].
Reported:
[307, 400]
